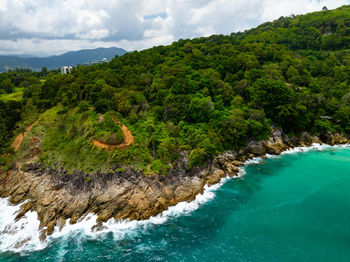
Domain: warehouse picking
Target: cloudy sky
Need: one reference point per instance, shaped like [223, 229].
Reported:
[46, 27]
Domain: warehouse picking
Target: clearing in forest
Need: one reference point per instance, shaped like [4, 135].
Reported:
[128, 139]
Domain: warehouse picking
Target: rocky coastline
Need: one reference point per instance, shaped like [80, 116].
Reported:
[57, 196]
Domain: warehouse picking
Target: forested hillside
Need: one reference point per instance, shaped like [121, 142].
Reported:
[202, 96]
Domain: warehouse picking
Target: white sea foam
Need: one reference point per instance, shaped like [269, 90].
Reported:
[241, 172]
[253, 161]
[314, 146]
[121, 228]
[271, 156]
[23, 235]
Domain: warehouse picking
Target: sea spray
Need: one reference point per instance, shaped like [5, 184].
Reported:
[122, 228]
[23, 235]
[314, 147]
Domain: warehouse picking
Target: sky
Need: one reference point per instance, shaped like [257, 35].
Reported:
[48, 27]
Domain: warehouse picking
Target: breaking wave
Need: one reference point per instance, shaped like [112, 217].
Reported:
[23, 236]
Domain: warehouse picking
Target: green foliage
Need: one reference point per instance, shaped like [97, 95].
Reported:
[68, 139]
[197, 157]
[16, 94]
[9, 116]
[324, 125]
[159, 167]
[7, 86]
[107, 129]
[204, 95]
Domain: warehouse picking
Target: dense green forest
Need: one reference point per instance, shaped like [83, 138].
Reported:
[203, 96]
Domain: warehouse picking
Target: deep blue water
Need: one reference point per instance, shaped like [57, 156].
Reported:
[294, 207]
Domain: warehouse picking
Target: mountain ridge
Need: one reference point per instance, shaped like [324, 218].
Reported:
[71, 58]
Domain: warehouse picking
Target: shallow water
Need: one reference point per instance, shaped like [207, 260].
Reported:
[294, 207]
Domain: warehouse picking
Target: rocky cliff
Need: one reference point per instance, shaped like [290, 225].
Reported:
[57, 196]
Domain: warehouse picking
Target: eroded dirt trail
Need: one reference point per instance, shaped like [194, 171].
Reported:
[128, 140]
[16, 144]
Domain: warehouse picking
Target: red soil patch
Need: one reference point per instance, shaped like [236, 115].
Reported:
[128, 140]
[16, 144]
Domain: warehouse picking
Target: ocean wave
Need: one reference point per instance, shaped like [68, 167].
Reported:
[23, 236]
[314, 146]
[253, 161]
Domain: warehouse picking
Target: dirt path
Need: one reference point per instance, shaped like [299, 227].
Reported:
[16, 144]
[128, 140]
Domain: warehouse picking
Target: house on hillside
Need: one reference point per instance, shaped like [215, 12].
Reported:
[103, 60]
[66, 70]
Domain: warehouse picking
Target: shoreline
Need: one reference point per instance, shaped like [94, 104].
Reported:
[123, 227]
[216, 178]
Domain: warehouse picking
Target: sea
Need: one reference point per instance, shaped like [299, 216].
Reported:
[291, 207]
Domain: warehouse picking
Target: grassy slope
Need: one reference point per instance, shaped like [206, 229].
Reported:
[15, 96]
[66, 139]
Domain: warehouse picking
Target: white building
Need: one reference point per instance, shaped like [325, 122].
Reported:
[66, 70]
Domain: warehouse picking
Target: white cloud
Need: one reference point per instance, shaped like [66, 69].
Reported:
[51, 27]
[273, 9]
[3, 6]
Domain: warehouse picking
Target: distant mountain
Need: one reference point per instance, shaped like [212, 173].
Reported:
[54, 62]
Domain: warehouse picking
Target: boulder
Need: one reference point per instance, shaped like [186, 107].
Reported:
[305, 139]
[256, 148]
[328, 138]
[274, 148]
[316, 140]
[340, 139]
[230, 169]
[237, 163]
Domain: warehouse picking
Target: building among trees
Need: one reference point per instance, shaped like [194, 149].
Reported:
[66, 70]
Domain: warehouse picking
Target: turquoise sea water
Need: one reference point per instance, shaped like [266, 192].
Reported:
[295, 207]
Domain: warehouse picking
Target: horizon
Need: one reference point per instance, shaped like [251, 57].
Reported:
[39, 28]
[69, 51]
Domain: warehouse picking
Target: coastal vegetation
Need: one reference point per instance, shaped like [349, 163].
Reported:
[203, 96]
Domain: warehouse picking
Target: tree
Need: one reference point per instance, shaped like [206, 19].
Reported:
[200, 109]
[234, 129]
[21, 128]
[43, 72]
[269, 94]
[7, 85]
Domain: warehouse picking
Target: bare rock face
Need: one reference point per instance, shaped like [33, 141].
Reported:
[275, 145]
[256, 148]
[305, 139]
[316, 140]
[274, 148]
[57, 196]
[328, 138]
[340, 139]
